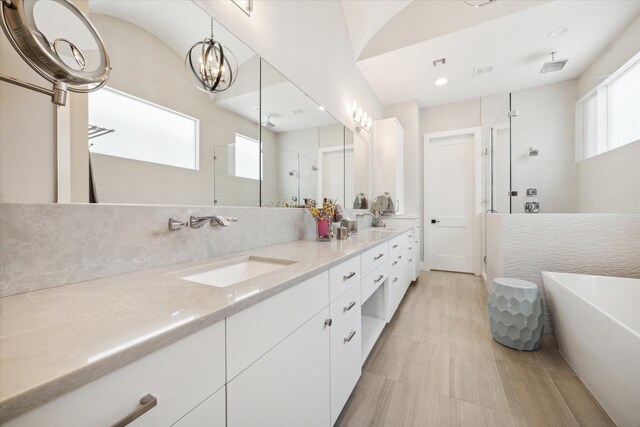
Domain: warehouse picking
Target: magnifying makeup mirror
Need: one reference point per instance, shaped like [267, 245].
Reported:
[57, 40]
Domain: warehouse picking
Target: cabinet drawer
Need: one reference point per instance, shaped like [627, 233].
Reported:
[210, 413]
[396, 245]
[288, 386]
[343, 276]
[346, 363]
[343, 307]
[254, 331]
[372, 258]
[180, 376]
[369, 284]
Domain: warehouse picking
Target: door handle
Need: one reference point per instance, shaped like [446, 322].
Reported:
[146, 403]
[433, 221]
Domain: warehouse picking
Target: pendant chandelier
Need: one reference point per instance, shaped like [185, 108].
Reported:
[211, 66]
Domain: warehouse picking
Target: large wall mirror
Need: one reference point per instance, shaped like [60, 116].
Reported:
[156, 138]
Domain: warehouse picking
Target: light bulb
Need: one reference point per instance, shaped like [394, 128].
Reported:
[354, 109]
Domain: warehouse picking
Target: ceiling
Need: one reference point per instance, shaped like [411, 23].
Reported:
[511, 36]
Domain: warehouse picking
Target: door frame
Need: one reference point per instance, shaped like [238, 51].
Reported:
[476, 228]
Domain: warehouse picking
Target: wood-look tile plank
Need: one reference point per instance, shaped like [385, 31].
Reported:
[369, 403]
[427, 365]
[474, 378]
[465, 414]
[584, 407]
[469, 311]
[470, 336]
[552, 360]
[388, 355]
[414, 406]
[528, 358]
[532, 396]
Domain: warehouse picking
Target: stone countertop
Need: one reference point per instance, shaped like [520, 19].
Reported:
[58, 339]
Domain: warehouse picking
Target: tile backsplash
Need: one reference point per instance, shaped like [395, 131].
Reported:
[47, 245]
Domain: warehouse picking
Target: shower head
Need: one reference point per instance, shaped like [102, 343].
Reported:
[533, 152]
[268, 123]
[554, 65]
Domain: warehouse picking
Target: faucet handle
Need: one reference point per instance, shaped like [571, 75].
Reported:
[175, 225]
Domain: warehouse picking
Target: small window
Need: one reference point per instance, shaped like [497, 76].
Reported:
[245, 158]
[142, 130]
[608, 117]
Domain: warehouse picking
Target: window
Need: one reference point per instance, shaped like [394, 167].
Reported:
[245, 158]
[608, 117]
[143, 130]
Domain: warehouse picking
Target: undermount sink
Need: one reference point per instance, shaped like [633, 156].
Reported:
[227, 273]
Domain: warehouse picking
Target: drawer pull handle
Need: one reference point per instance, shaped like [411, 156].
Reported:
[395, 246]
[411, 247]
[328, 322]
[395, 279]
[146, 403]
[411, 260]
[379, 278]
[394, 262]
[350, 337]
[350, 306]
[399, 256]
[348, 276]
[410, 235]
[378, 257]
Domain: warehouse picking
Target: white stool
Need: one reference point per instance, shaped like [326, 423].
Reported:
[515, 313]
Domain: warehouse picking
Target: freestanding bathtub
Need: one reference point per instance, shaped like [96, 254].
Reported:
[597, 324]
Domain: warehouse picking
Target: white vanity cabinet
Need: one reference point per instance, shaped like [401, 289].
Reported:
[388, 161]
[413, 238]
[288, 386]
[180, 376]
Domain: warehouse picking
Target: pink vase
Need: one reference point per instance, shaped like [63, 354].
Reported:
[322, 228]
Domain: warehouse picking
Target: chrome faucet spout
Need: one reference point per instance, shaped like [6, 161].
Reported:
[213, 220]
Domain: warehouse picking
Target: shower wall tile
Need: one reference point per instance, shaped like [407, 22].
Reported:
[47, 245]
[524, 245]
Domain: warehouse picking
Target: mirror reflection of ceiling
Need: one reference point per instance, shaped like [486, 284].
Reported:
[283, 104]
[159, 18]
[511, 36]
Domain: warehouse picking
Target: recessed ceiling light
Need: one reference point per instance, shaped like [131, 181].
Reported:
[321, 108]
[556, 33]
[438, 62]
[441, 81]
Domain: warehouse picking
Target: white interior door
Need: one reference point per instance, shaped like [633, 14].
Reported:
[451, 188]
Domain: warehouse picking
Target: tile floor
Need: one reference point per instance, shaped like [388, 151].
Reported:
[436, 365]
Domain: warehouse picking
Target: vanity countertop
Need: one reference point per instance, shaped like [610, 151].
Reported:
[55, 340]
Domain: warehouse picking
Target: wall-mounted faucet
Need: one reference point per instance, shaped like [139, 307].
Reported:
[214, 221]
[199, 221]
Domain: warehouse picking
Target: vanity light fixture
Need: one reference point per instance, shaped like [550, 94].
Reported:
[212, 66]
[441, 81]
[361, 118]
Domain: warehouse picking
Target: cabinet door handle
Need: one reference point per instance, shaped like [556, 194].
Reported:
[378, 257]
[411, 260]
[395, 246]
[399, 256]
[350, 306]
[328, 322]
[378, 279]
[348, 276]
[350, 337]
[395, 279]
[394, 263]
[146, 403]
[410, 235]
[410, 248]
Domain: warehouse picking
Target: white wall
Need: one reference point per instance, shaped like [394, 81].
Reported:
[612, 58]
[610, 182]
[546, 121]
[307, 41]
[523, 246]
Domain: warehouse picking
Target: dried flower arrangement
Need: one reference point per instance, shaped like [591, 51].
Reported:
[325, 213]
[283, 204]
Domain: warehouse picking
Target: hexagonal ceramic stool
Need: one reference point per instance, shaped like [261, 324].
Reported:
[515, 313]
